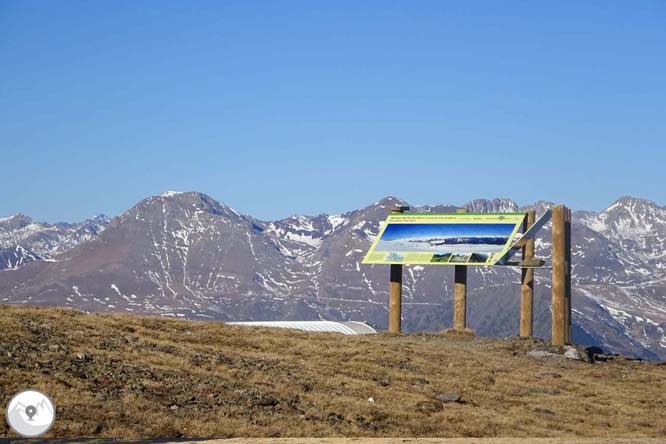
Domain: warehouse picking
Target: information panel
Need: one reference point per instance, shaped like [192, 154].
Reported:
[444, 239]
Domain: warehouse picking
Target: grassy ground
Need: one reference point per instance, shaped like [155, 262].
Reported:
[127, 376]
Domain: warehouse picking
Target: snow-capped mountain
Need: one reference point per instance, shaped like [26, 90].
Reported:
[187, 255]
[638, 225]
[491, 206]
[23, 240]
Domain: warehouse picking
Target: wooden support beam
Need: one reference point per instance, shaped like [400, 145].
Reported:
[395, 299]
[527, 282]
[559, 286]
[460, 294]
[567, 278]
[395, 290]
[460, 298]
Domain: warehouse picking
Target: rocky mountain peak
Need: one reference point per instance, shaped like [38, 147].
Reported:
[498, 205]
[180, 204]
[629, 217]
[100, 217]
[539, 207]
[638, 225]
[390, 202]
[632, 201]
[15, 221]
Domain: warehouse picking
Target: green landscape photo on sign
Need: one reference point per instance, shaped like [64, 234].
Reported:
[444, 239]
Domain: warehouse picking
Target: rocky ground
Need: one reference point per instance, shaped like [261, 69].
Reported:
[119, 376]
[366, 441]
[441, 441]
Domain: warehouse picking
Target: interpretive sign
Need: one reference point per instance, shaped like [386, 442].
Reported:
[444, 239]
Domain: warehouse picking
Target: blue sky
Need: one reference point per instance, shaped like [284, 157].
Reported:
[277, 108]
[400, 231]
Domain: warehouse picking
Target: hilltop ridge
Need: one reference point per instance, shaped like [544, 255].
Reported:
[120, 376]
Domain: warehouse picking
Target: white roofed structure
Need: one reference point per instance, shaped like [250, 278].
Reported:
[346, 328]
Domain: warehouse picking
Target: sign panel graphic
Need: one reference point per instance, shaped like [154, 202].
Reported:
[444, 239]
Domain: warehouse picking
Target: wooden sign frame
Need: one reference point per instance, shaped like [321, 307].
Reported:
[561, 278]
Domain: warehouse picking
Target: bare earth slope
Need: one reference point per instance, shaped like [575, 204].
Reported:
[128, 376]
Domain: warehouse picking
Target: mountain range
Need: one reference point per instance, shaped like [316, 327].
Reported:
[188, 256]
[23, 240]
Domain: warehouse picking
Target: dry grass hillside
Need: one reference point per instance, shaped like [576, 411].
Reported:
[124, 376]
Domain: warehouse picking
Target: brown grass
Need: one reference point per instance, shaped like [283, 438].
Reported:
[140, 377]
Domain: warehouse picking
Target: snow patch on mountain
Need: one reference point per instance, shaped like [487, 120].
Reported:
[172, 193]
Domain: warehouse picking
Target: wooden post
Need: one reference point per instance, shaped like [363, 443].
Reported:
[460, 294]
[395, 289]
[460, 298]
[395, 299]
[527, 282]
[567, 278]
[559, 286]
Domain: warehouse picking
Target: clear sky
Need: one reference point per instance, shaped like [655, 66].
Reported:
[277, 108]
